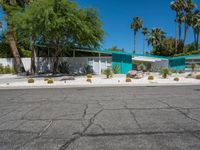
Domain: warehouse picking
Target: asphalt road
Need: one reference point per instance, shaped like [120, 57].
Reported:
[126, 118]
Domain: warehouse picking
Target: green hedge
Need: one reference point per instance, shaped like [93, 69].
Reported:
[188, 53]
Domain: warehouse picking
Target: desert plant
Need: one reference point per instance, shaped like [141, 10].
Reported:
[193, 66]
[116, 69]
[176, 79]
[151, 78]
[108, 72]
[31, 80]
[6, 70]
[142, 67]
[1, 69]
[64, 67]
[50, 81]
[46, 79]
[128, 79]
[165, 72]
[89, 80]
[89, 76]
[89, 69]
[198, 76]
[181, 71]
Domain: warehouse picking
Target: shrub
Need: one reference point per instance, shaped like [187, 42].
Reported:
[6, 70]
[1, 69]
[165, 72]
[50, 81]
[108, 72]
[89, 69]
[116, 69]
[46, 79]
[89, 75]
[193, 66]
[142, 67]
[128, 80]
[151, 78]
[89, 80]
[64, 67]
[198, 76]
[176, 79]
[30, 80]
[181, 72]
[173, 71]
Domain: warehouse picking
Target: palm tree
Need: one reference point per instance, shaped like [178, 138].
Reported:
[136, 25]
[197, 28]
[177, 6]
[8, 6]
[156, 37]
[188, 6]
[144, 32]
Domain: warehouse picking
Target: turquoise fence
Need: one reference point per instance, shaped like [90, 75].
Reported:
[123, 60]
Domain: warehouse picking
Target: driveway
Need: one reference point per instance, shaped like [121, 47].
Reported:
[118, 118]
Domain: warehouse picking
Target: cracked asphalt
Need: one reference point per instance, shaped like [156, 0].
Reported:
[109, 118]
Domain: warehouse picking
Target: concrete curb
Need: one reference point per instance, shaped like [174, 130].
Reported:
[96, 86]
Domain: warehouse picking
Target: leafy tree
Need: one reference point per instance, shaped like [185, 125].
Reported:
[61, 25]
[136, 25]
[115, 48]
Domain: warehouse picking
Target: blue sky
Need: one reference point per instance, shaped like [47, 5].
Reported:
[117, 15]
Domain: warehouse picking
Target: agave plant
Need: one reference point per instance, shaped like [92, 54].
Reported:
[116, 69]
[108, 72]
[193, 66]
[165, 72]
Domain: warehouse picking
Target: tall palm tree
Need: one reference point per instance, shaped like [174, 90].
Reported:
[196, 28]
[177, 6]
[156, 37]
[188, 6]
[136, 25]
[144, 32]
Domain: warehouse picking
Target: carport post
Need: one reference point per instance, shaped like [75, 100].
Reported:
[99, 63]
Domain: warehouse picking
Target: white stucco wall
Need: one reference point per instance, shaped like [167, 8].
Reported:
[76, 63]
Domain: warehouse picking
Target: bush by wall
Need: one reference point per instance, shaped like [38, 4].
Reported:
[7, 70]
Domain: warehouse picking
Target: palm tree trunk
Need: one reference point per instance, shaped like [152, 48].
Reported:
[19, 67]
[143, 44]
[33, 68]
[195, 39]
[134, 42]
[185, 33]
[197, 46]
[180, 31]
[177, 31]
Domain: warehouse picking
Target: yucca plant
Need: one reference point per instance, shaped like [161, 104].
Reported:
[165, 72]
[108, 72]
